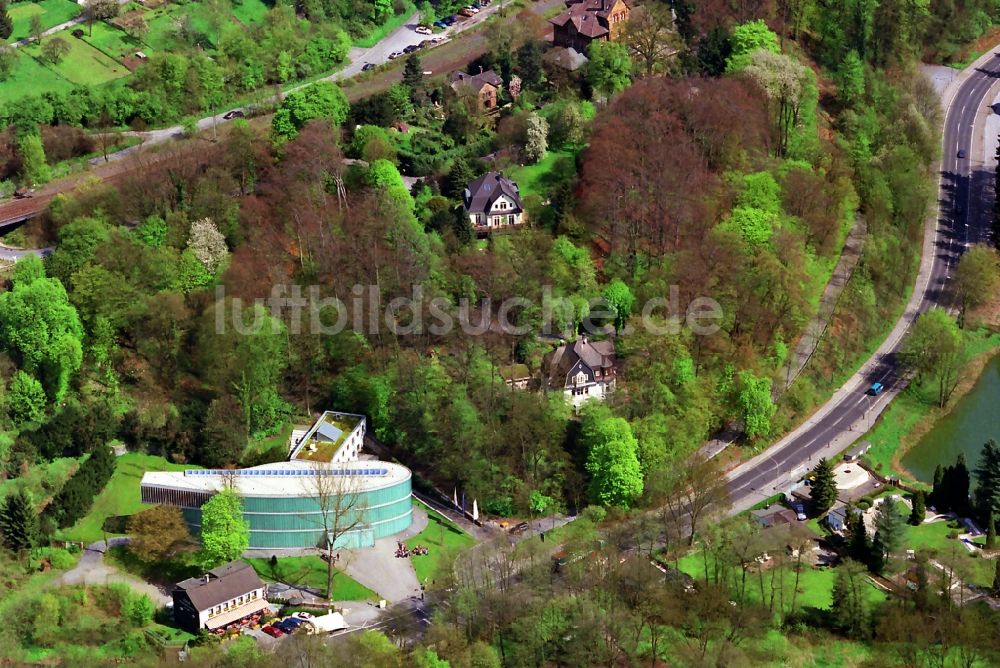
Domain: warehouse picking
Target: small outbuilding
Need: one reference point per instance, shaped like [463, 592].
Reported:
[328, 623]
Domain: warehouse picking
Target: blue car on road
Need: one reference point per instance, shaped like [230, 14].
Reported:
[875, 389]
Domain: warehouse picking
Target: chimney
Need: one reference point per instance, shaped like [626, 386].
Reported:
[208, 578]
[480, 69]
[584, 339]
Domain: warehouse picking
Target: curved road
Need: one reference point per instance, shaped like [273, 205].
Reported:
[961, 221]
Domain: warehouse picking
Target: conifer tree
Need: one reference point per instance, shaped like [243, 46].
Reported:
[919, 511]
[6, 23]
[19, 522]
[988, 479]
[824, 487]
[991, 534]
[935, 497]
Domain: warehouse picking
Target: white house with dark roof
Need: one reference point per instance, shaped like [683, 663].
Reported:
[224, 596]
[583, 370]
[493, 202]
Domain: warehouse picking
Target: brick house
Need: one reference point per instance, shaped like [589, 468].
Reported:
[485, 86]
[586, 21]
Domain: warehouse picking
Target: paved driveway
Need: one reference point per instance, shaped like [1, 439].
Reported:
[92, 571]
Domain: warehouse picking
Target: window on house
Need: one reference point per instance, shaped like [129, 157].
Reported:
[510, 219]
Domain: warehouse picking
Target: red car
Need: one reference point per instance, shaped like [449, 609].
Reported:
[273, 632]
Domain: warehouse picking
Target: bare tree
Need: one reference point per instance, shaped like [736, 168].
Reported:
[690, 493]
[341, 509]
[650, 35]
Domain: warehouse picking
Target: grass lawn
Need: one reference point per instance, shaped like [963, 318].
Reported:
[83, 65]
[179, 567]
[120, 496]
[29, 77]
[538, 179]
[933, 537]
[389, 26]
[815, 584]
[53, 12]
[311, 572]
[113, 42]
[172, 637]
[250, 11]
[443, 539]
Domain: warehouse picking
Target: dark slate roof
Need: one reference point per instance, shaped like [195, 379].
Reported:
[595, 354]
[475, 81]
[480, 195]
[221, 584]
[584, 21]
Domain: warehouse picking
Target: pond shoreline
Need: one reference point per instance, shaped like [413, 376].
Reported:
[972, 372]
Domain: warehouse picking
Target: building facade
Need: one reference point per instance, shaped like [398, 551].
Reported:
[485, 86]
[493, 202]
[587, 21]
[307, 502]
[583, 370]
[225, 595]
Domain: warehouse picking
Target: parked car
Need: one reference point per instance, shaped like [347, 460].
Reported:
[395, 54]
[423, 30]
[451, 20]
[285, 626]
[800, 512]
[426, 43]
[440, 24]
[437, 39]
[411, 48]
[273, 632]
[367, 66]
[465, 11]
[961, 153]
[304, 615]
[473, 9]
[519, 528]
[235, 113]
[875, 389]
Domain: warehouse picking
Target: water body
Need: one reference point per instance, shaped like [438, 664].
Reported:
[974, 420]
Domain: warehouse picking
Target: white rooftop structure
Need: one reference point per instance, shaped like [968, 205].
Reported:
[281, 479]
[334, 437]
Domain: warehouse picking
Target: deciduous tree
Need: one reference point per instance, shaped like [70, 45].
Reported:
[157, 533]
[610, 67]
[650, 34]
[41, 327]
[225, 535]
[933, 348]
[756, 405]
[536, 137]
[25, 399]
[55, 50]
[976, 278]
[612, 458]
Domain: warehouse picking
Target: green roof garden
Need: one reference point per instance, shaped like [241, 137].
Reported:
[326, 436]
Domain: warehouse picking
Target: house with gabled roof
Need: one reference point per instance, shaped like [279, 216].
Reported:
[587, 21]
[485, 86]
[493, 202]
[582, 370]
[225, 596]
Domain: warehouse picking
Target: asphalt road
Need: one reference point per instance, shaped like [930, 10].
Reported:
[963, 218]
